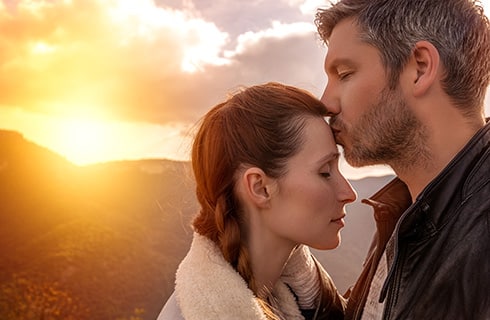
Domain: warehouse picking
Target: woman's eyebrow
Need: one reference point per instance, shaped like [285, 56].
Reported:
[329, 157]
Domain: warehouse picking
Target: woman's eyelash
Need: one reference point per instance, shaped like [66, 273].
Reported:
[325, 174]
[344, 75]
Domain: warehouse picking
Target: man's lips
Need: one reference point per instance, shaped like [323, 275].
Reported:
[336, 124]
[336, 133]
[335, 130]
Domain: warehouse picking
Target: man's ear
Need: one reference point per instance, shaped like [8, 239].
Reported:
[257, 186]
[426, 61]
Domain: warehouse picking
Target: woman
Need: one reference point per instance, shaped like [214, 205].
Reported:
[267, 179]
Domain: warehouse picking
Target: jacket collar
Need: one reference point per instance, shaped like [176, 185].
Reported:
[467, 172]
[207, 287]
[431, 209]
[439, 200]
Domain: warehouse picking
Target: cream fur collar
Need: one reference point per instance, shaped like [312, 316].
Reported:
[207, 287]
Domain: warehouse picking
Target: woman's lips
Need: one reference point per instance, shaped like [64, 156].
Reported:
[339, 220]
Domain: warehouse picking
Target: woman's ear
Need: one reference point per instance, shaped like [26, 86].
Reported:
[257, 186]
[426, 62]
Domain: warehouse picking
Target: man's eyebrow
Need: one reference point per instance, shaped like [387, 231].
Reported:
[330, 65]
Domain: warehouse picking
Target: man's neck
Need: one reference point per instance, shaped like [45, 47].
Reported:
[444, 144]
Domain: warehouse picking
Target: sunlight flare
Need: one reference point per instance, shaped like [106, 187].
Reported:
[86, 140]
[42, 48]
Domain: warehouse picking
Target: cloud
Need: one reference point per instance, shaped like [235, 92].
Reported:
[282, 52]
[109, 54]
[257, 58]
[162, 61]
[148, 61]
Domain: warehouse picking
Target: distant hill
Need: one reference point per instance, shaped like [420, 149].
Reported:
[104, 241]
[96, 242]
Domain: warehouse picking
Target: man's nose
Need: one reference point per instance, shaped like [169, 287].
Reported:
[329, 101]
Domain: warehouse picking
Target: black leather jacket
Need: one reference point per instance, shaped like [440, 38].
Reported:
[439, 264]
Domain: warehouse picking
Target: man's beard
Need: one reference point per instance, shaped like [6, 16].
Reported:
[387, 133]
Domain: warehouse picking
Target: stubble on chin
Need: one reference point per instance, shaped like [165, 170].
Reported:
[388, 133]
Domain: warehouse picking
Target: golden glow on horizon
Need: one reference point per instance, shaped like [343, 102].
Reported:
[86, 141]
[83, 140]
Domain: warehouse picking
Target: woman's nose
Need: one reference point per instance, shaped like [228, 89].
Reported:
[347, 193]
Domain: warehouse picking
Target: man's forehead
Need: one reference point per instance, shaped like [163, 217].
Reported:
[346, 46]
[343, 48]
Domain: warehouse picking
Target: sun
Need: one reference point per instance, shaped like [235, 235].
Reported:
[85, 140]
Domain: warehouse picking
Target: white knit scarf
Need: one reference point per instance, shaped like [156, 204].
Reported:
[207, 287]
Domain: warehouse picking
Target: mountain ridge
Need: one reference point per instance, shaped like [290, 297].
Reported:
[103, 241]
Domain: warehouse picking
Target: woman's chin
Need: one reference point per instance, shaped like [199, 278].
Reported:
[329, 245]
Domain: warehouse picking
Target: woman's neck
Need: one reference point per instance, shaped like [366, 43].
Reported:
[268, 255]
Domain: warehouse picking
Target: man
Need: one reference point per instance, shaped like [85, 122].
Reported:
[406, 85]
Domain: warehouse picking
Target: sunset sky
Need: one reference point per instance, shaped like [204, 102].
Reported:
[101, 80]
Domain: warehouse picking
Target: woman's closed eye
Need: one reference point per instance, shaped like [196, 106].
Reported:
[325, 174]
[344, 75]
